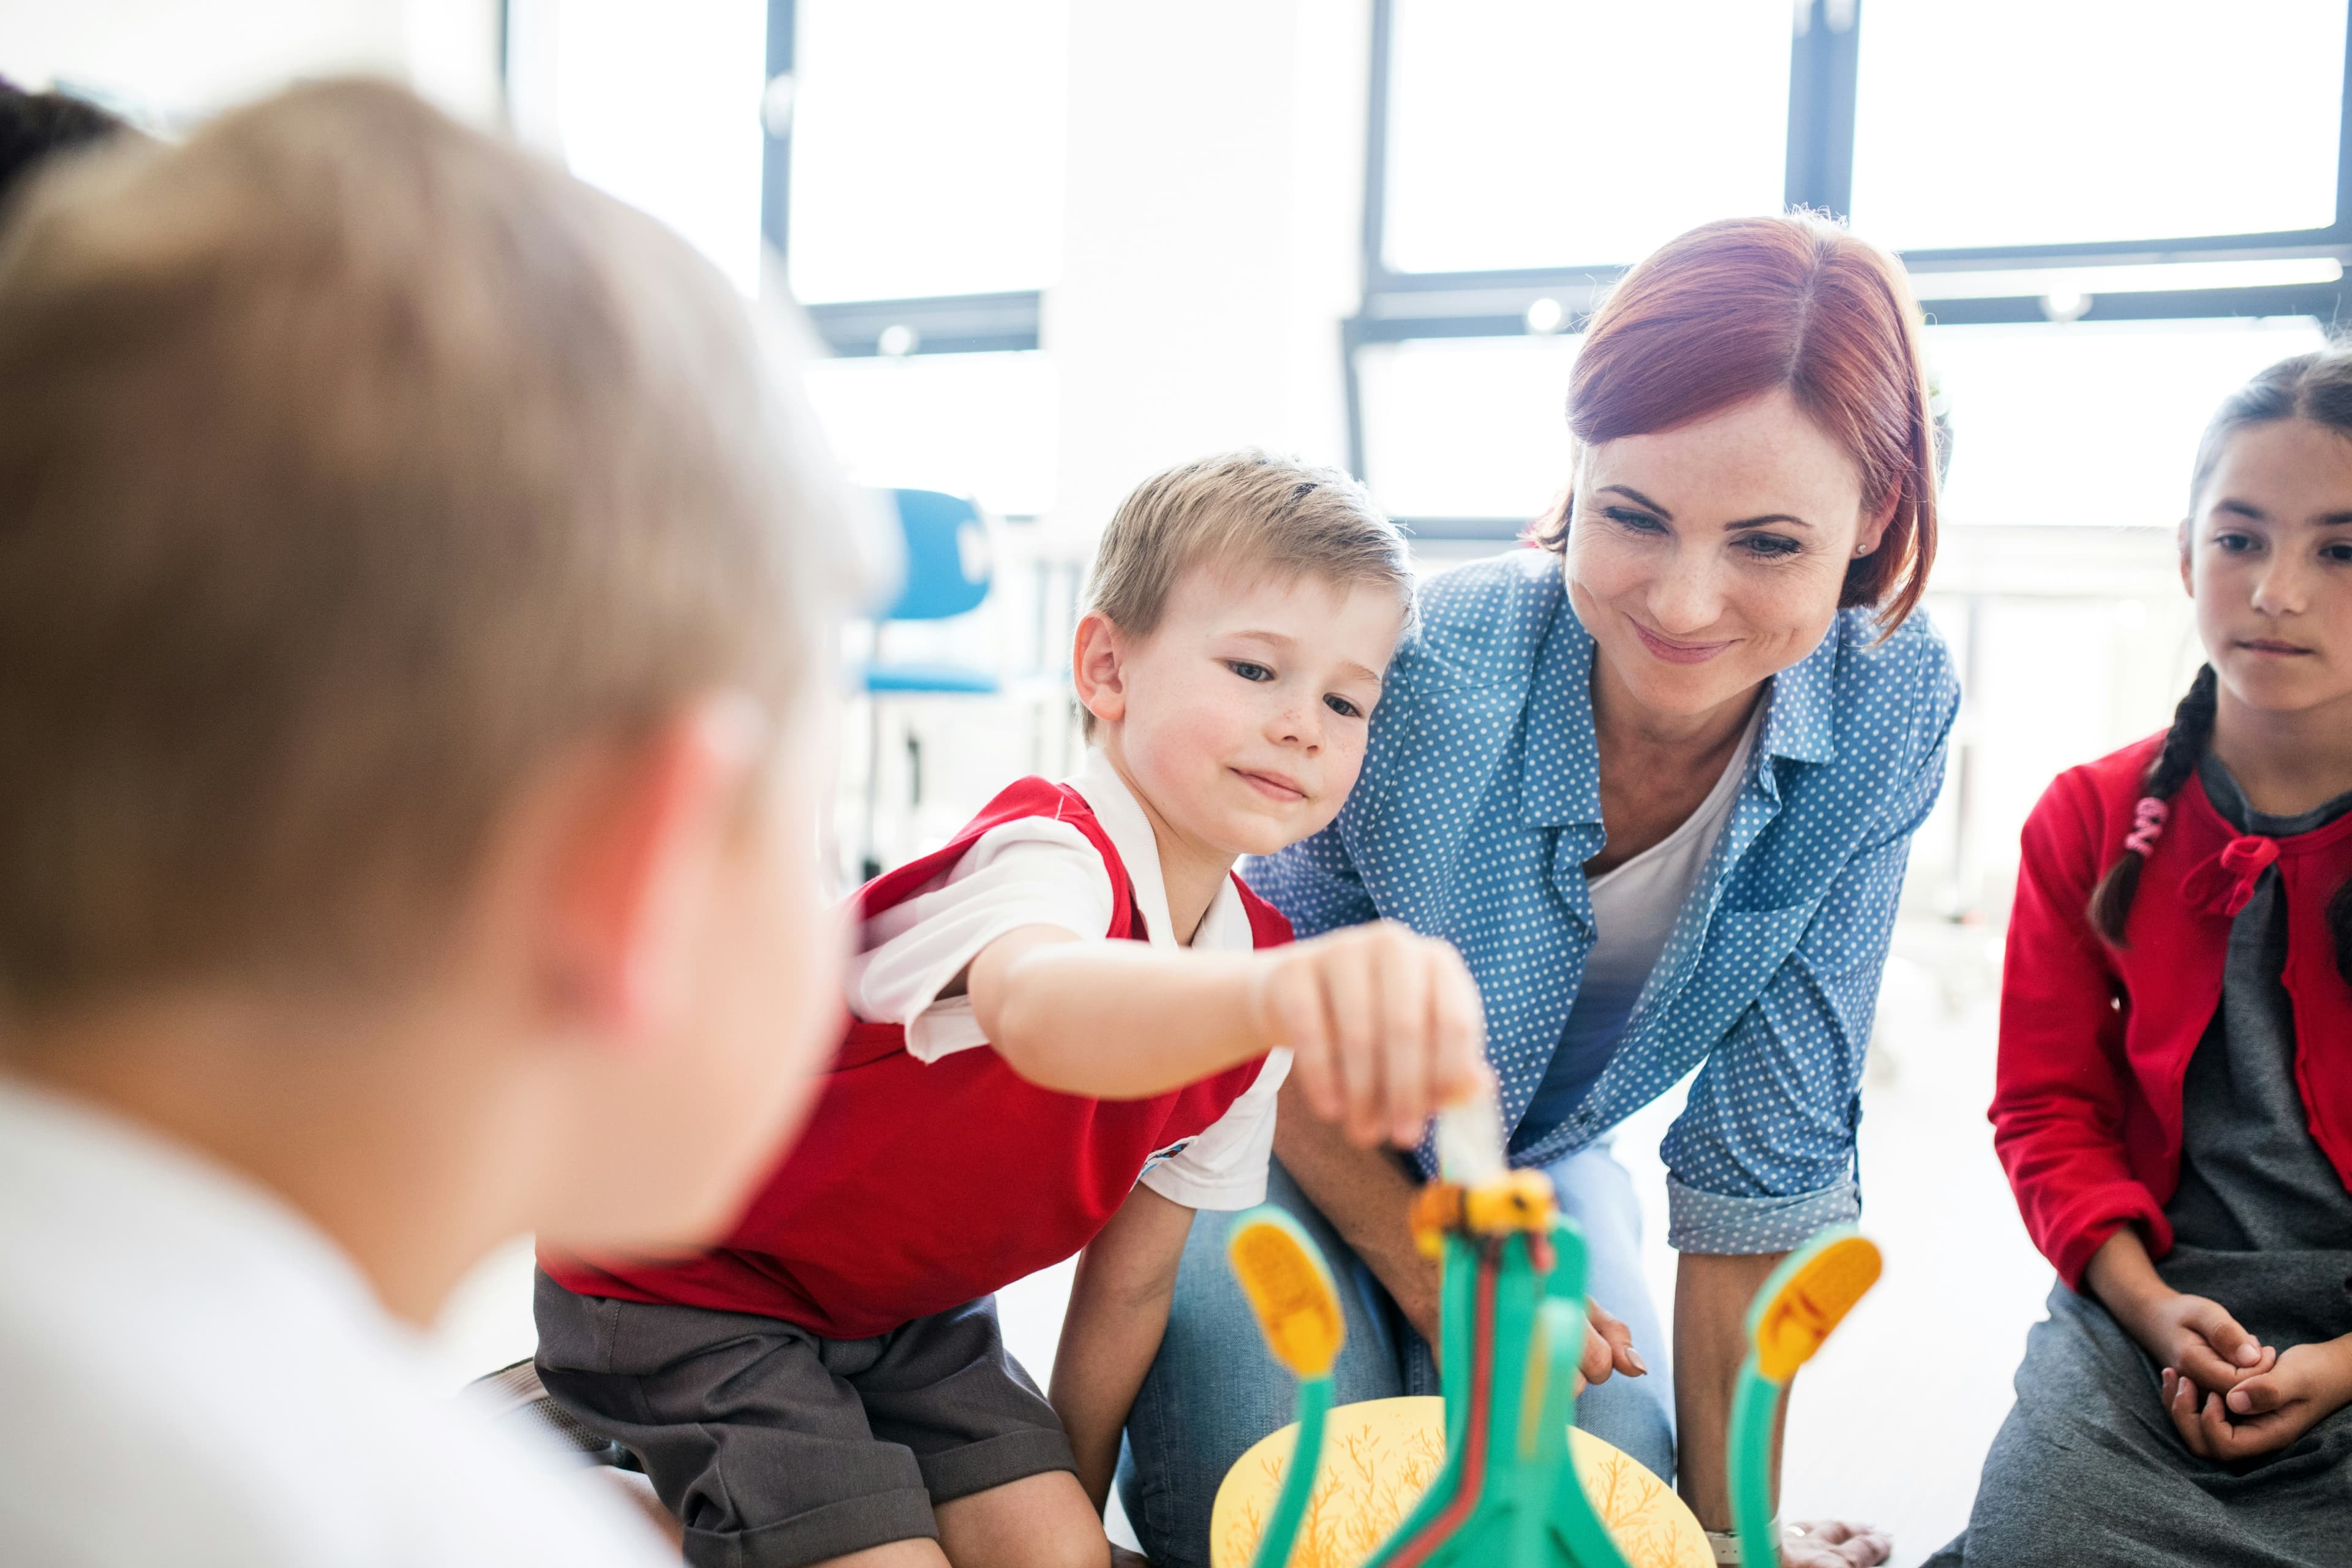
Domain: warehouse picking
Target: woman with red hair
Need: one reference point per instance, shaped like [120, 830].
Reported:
[1657, 781]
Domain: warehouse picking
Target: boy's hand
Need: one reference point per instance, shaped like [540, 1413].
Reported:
[2198, 1338]
[2266, 1410]
[1384, 1026]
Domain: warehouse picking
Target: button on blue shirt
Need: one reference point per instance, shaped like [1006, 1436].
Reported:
[1480, 803]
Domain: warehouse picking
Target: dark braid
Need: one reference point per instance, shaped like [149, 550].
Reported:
[2184, 743]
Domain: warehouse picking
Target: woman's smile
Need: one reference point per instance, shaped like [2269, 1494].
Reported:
[1675, 651]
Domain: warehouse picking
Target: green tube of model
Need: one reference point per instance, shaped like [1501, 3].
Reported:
[1289, 1287]
[1802, 1301]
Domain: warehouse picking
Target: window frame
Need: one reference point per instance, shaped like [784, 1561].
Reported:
[1824, 73]
[855, 329]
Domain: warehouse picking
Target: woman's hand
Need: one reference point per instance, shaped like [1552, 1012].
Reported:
[2265, 1410]
[1608, 1347]
[1833, 1543]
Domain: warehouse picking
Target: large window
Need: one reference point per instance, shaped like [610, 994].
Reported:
[2093, 422]
[903, 158]
[2112, 211]
[1513, 143]
[2023, 123]
[926, 148]
[915, 190]
[659, 108]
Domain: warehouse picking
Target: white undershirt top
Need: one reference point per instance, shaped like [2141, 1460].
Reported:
[1633, 909]
[193, 1374]
[1037, 871]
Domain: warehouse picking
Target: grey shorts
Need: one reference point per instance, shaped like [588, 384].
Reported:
[777, 1448]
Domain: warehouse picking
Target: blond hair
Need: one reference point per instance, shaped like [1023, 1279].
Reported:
[1248, 512]
[351, 463]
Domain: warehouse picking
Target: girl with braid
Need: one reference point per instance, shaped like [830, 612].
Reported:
[2174, 1099]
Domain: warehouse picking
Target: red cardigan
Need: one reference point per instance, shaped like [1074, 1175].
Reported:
[2095, 1040]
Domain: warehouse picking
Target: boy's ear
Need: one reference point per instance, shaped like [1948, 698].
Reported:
[635, 845]
[1097, 667]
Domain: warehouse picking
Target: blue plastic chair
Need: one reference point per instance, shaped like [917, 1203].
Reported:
[948, 573]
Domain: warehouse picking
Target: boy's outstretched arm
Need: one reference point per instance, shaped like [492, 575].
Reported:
[1384, 1025]
[1117, 1311]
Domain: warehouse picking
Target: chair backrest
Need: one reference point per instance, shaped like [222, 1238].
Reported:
[948, 563]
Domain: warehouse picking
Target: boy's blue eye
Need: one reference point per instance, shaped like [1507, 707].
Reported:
[1342, 707]
[1247, 670]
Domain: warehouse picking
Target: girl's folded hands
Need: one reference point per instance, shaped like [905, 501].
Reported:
[2263, 1410]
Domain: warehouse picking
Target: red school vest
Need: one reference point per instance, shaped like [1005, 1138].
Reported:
[920, 1186]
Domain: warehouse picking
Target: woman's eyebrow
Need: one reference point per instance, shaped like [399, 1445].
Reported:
[1631, 493]
[2242, 508]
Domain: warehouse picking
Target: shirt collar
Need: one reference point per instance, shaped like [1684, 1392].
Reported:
[1562, 782]
[1225, 926]
[1797, 716]
[1561, 785]
[162, 1210]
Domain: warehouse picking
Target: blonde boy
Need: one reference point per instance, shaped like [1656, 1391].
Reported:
[408, 722]
[1071, 1024]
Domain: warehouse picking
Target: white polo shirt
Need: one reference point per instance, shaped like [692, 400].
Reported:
[1037, 871]
[191, 1375]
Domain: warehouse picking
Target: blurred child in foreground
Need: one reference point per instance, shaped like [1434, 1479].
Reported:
[411, 593]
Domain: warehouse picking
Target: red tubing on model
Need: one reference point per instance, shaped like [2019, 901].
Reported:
[1414, 1552]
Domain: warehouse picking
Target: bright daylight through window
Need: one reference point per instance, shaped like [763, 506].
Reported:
[2113, 246]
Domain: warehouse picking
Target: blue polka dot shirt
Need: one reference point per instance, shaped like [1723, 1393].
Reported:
[1479, 804]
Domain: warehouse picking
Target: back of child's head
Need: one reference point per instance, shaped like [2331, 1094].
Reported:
[2317, 387]
[1250, 514]
[353, 465]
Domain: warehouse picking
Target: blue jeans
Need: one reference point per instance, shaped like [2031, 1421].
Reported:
[1215, 1391]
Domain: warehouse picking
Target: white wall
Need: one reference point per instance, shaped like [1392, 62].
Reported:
[1212, 215]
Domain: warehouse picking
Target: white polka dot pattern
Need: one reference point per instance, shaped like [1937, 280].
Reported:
[1480, 803]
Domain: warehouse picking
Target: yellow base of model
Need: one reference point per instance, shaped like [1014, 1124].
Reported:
[1378, 1457]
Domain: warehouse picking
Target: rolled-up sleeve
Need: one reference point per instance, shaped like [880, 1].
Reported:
[1763, 1154]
